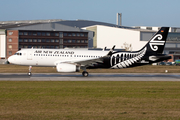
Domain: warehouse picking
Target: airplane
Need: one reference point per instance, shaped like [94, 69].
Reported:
[70, 60]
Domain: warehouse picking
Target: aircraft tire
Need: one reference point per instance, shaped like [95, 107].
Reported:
[29, 73]
[85, 74]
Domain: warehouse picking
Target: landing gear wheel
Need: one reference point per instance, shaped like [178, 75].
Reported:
[29, 73]
[85, 73]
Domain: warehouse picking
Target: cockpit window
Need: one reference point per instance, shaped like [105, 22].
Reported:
[18, 53]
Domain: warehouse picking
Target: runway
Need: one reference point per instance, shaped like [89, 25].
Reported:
[91, 77]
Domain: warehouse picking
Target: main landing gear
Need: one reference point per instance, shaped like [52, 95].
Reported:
[29, 73]
[85, 73]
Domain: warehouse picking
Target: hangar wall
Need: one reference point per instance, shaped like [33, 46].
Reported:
[12, 42]
[2, 46]
[110, 36]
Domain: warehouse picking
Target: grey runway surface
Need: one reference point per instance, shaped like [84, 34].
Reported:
[91, 77]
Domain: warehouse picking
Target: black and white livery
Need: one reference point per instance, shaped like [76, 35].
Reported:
[70, 60]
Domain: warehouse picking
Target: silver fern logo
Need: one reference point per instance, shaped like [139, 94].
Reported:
[154, 43]
[125, 59]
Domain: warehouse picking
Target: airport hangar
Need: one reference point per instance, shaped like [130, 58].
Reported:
[58, 34]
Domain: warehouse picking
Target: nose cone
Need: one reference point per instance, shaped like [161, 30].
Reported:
[11, 59]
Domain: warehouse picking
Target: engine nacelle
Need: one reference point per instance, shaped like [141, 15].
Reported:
[64, 67]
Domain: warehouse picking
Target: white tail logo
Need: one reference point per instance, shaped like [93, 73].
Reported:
[125, 59]
[153, 43]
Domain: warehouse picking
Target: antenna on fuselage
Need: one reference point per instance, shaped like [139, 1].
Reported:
[104, 49]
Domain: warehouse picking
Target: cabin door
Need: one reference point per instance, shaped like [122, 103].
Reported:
[29, 55]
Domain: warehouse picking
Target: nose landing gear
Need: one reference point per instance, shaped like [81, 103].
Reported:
[29, 73]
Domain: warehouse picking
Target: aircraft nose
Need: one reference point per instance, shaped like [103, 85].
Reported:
[10, 59]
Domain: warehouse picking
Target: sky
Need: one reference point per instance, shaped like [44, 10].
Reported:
[134, 12]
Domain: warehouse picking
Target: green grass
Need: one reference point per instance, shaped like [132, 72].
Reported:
[89, 100]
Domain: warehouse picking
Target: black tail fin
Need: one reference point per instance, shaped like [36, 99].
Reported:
[157, 42]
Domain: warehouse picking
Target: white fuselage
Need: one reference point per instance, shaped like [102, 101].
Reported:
[50, 57]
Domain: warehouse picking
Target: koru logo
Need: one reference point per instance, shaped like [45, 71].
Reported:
[153, 43]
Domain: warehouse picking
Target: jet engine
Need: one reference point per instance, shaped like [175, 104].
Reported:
[65, 67]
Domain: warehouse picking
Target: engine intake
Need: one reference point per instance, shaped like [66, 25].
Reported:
[64, 67]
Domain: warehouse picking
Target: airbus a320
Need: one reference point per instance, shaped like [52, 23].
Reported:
[70, 60]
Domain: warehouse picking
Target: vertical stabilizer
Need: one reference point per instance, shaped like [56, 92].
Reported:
[157, 42]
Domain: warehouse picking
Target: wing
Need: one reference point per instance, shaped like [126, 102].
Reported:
[88, 62]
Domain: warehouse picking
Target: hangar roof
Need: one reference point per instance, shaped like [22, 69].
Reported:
[46, 27]
[85, 23]
[49, 24]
